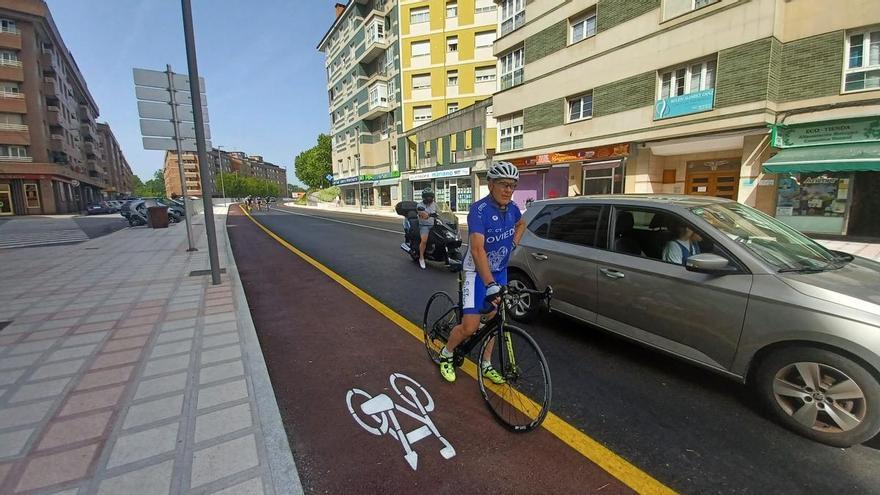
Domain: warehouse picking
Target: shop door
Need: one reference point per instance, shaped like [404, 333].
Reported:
[721, 184]
[6, 203]
[865, 207]
[453, 198]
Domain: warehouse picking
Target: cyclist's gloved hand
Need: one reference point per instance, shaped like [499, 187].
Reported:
[492, 291]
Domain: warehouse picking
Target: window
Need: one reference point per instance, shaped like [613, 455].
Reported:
[863, 61]
[421, 81]
[511, 133]
[452, 107]
[679, 7]
[485, 74]
[512, 69]
[9, 87]
[584, 225]
[452, 78]
[580, 107]
[8, 57]
[8, 26]
[422, 114]
[419, 15]
[485, 6]
[451, 10]
[421, 48]
[452, 44]
[11, 119]
[583, 27]
[376, 31]
[485, 39]
[378, 95]
[695, 77]
[12, 151]
[513, 15]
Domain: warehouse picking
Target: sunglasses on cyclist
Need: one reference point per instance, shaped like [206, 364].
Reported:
[506, 185]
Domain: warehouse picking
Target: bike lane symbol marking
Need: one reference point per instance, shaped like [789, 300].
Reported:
[381, 417]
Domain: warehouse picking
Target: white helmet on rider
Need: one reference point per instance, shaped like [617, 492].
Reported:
[503, 170]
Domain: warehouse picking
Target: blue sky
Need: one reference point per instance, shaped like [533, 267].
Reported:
[266, 84]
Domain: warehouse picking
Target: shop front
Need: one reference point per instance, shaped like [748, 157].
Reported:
[828, 176]
[577, 172]
[453, 187]
[348, 189]
[385, 188]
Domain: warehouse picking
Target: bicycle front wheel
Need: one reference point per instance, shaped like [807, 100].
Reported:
[441, 316]
[522, 401]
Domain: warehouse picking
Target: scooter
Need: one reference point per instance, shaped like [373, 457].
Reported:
[444, 240]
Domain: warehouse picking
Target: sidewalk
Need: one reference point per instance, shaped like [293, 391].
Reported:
[120, 372]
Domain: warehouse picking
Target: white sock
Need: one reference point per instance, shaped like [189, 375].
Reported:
[445, 352]
[485, 364]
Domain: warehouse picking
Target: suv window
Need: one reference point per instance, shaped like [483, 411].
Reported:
[584, 225]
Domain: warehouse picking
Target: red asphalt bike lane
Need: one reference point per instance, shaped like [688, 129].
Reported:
[321, 343]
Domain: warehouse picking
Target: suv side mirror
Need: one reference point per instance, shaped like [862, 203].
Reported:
[710, 263]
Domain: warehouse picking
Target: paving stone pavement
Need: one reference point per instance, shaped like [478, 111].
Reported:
[122, 374]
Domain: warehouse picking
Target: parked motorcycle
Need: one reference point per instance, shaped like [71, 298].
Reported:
[444, 240]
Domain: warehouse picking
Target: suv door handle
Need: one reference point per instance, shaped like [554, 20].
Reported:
[608, 272]
[540, 256]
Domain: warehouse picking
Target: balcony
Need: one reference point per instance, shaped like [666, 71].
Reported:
[89, 148]
[11, 102]
[87, 129]
[13, 127]
[50, 87]
[376, 41]
[56, 142]
[47, 62]
[10, 38]
[378, 101]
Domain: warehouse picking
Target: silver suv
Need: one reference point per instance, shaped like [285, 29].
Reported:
[724, 286]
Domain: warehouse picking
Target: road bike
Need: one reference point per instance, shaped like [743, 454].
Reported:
[522, 401]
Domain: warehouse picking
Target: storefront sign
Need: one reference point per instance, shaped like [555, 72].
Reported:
[675, 106]
[599, 153]
[828, 132]
[346, 180]
[441, 174]
[386, 175]
[31, 196]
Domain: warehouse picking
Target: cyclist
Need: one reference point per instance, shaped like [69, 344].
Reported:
[495, 226]
[425, 208]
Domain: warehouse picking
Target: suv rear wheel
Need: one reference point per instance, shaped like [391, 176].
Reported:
[526, 309]
[822, 395]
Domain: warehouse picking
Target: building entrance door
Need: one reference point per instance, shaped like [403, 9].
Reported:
[719, 178]
[5, 201]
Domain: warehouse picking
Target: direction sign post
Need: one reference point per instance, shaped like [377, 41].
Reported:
[187, 210]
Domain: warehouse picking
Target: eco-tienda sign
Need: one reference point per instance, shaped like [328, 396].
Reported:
[861, 130]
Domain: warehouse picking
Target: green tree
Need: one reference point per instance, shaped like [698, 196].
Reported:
[313, 164]
[292, 188]
[154, 187]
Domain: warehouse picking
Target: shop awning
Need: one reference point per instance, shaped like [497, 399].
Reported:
[855, 157]
[387, 182]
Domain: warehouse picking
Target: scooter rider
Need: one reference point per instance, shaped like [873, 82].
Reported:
[426, 208]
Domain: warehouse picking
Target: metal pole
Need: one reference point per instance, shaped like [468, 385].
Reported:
[222, 185]
[196, 94]
[187, 208]
[358, 156]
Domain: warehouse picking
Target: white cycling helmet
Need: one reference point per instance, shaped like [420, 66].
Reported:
[503, 170]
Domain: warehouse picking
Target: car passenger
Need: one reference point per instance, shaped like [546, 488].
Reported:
[685, 244]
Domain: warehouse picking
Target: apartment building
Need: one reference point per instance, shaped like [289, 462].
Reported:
[363, 87]
[234, 162]
[120, 183]
[771, 103]
[50, 157]
[451, 156]
[393, 65]
[191, 170]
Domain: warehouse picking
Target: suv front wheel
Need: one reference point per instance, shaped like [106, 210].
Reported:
[822, 395]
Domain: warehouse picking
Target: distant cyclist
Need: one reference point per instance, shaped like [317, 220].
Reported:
[495, 225]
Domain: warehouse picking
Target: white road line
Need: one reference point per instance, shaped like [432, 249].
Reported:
[398, 232]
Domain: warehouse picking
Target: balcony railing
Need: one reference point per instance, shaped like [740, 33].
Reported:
[9, 30]
[13, 127]
[513, 23]
[512, 79]
[11, 94]
[10, 63]
[26, 159]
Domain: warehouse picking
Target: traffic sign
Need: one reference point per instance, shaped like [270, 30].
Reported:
[159, 79]
[162, 111]
[165, 128]
[164, 96]
[168, 144]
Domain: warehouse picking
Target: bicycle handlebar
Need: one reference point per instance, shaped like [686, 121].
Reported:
[508, 292]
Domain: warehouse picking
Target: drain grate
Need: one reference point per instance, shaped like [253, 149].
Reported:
[4, 324]
[199, 273]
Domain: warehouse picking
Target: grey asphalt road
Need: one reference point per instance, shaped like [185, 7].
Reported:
[691, 429]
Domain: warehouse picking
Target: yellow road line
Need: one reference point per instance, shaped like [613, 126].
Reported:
[600, 455]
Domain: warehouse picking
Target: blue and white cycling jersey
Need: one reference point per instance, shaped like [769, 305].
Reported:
[498, 227]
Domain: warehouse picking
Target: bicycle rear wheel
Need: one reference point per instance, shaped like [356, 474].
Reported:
[441, 316]
[522, 401]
